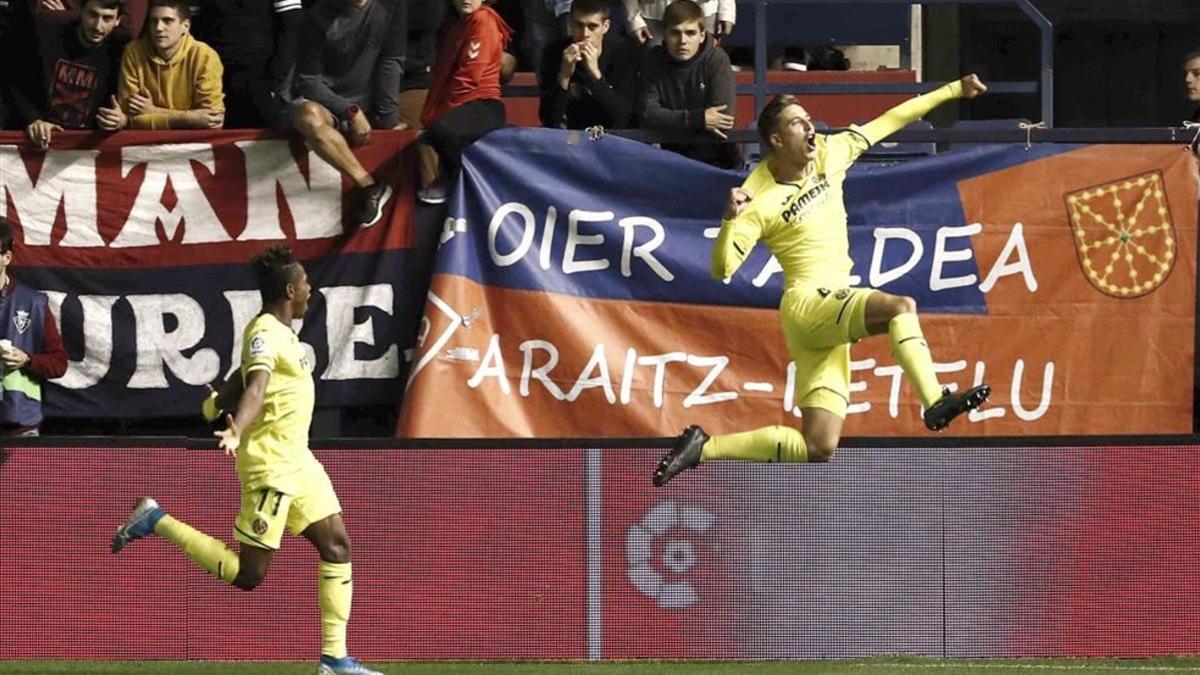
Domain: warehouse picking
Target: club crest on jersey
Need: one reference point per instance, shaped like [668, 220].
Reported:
[259, 526]
[1124, 235]
[21, 321]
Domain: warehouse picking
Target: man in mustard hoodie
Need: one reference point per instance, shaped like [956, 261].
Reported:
[170, 80]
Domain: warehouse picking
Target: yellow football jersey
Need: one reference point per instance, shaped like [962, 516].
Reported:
[277, 442]
[803, 223]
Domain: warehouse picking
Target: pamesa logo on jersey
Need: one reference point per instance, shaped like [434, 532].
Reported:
[661, 550]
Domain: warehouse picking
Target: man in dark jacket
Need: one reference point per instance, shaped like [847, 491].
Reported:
[1191, 80]
[589, 78]
[687, 84]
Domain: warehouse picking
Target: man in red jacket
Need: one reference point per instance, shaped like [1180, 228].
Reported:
[464, 97]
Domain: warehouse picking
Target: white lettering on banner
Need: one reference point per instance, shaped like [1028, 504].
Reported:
[157, 346]
[315, 202]
[575, 241]
[1013, 259]
[169, 164]
[702, 371]
[573, 261]
[343, 332]
[67, 179]
[169, 332]
[98, 341]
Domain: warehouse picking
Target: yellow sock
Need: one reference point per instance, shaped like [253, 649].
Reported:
[336, 588]
[912, 353]
[210, 553]
[768, 444]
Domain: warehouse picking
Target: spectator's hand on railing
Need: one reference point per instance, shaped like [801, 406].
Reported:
[205, 118]
[54, 5]
[141, 103]
[716, 121]
[360, 129]
[973, 86]
[111, 119]
[738, 199]
[41, 132]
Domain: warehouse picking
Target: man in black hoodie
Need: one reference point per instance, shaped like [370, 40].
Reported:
[1191, 81]
[590, 77]
[687, 84]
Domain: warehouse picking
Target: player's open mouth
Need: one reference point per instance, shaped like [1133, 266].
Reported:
[811, 138]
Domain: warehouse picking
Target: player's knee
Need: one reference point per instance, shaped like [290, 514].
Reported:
[337, 551]
[248, 580]
[905, 305]
[821, 452]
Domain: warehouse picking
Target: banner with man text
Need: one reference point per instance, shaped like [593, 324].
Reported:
[142, 242]
[572, 295]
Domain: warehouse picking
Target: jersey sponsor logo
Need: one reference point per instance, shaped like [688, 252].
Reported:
[258, 346]
[814, 197]
[1124, 235]
[473, 49]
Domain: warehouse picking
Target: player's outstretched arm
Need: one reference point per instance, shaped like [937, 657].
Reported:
[914, 109]
[249, 408]
[739, 232]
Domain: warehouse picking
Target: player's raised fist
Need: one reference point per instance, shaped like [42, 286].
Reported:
[973, 86]
[738, 200]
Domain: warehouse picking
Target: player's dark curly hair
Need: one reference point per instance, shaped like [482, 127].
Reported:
[274, 269]
[769, 117]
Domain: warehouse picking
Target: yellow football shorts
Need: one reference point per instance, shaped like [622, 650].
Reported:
[295, 500]
[819, 325]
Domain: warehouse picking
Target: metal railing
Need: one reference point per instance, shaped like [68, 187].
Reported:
[761, 88]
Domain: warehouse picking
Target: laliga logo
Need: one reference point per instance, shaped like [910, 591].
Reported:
[678, 554]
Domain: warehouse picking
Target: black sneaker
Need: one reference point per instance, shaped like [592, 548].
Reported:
[684, 455]
[370, 207]
[951, 405]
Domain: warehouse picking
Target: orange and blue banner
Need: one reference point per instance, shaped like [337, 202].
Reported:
[572, 297]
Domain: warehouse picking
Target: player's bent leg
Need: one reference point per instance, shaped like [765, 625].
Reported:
[897, 316]
[253, 563]
[822, 432]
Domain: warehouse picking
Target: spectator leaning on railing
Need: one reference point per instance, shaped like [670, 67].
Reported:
[687, 84]
[170, 80]
[348, 75]
[73, 82]
[31, 349]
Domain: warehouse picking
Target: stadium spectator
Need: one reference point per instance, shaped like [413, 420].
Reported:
[589, 78]
[257, 43]
[62, 12]
[31, 349]
[170, 80]
[425, 17]
[647, 17]
[348, 76]
[1191, 81]
[687, 84]
[546, 22]
[16, 38]
[74, 79]
[464, 97]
